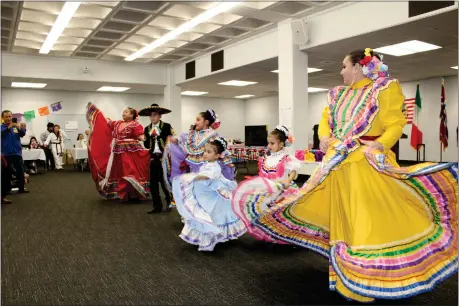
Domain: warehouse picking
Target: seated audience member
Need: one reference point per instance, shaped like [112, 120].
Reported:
[31, 165]
[80, 142]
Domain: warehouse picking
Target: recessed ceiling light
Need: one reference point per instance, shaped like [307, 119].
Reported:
[28, 85]
[208, 14]
[406, 48]
[114, 89]
[244, 96]
[194, 93]
[310, 70]
[454, 67]
[237, 83]
[315, 89]
[61, 23]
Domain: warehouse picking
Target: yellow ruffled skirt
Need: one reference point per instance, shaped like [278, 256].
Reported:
[388, 232]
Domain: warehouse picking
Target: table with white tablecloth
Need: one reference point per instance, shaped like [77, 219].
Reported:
[33, 154]
[79, 156]
[79, 153]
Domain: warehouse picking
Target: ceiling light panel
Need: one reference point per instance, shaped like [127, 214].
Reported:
[315, 89]
[237, 83]
[407, 48]
[38, 18]
[28, 85]
[194, 93]
[244, 96]
[113, 89]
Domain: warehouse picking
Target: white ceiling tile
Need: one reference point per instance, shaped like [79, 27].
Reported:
[34, 27]
[31, 36]
[38, 16]
[165, 22]
[182, 11]
[27, 44]
[52, 7]
[92, 11]
[65, 47]
[140, 40]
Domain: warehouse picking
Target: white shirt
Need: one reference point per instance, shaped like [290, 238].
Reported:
[25, 140]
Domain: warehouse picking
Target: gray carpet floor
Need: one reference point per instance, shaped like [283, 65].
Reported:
[64, 245]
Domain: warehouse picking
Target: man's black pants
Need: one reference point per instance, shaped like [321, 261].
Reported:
[15, 161]
[156, 178]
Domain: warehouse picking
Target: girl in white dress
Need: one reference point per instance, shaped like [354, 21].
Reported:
[55, 142]
[203, 200]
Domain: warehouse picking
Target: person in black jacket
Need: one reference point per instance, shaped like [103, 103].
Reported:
[156, 137]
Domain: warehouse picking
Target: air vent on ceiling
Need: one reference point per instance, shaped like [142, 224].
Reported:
[217, 61]
[190, 70]
[416, 8]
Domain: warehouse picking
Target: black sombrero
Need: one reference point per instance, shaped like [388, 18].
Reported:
[153, 108]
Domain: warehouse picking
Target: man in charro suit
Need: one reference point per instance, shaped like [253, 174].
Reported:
[156, 137]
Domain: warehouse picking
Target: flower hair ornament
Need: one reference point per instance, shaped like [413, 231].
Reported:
[287, 133]
[372, 67]
[214, 116]
[221, 141]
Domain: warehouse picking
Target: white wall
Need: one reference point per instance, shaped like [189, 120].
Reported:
[231, 111]
[262, 109]
[27, 66]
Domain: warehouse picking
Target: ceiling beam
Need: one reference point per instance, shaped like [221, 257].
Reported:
[15, 24]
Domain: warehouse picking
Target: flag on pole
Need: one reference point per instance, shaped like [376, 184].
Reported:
[409, 110]
[416, 134]
[443, 118]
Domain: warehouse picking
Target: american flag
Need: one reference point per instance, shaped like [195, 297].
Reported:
[409, 110]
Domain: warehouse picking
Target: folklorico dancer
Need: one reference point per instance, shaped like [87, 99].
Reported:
[276, 172]
[203, 199]
[118, 161]
[389, 232]
[157, 135]
[187, 149]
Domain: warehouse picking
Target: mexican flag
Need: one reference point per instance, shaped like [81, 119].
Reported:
[416, 134]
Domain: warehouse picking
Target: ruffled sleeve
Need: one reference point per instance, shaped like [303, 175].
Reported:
[324, 127]
[292, 163]
[137, 130]
[391, 116]
[226, 160]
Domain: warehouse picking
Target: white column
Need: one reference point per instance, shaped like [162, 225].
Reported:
[293, 86]
[173, 101]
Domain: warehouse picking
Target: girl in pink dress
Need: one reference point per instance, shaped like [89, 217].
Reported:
[277, 170]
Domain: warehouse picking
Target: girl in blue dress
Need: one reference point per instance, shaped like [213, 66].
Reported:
[203, 199]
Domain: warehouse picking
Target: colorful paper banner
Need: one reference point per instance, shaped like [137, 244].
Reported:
[56, 106]
[43, 111]
[19, 117]
[29, 115]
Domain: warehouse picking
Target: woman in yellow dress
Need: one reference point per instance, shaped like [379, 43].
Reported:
[389, 232]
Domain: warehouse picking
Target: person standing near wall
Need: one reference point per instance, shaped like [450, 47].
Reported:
[12, 150]
[49, 154]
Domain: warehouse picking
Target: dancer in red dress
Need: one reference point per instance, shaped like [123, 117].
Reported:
[119, 164]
